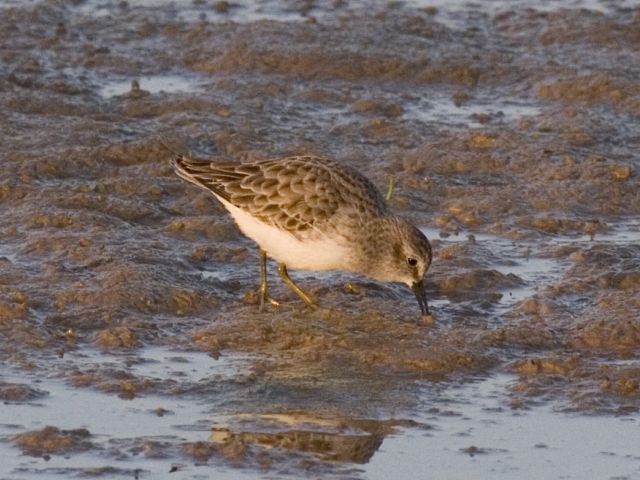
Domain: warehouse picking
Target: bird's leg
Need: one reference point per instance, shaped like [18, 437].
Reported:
[282, 271]
[390, 190]
[264, 290]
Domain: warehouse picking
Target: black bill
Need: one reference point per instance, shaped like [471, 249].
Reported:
[421, 295]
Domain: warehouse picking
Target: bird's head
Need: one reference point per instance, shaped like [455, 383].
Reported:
[399, 252]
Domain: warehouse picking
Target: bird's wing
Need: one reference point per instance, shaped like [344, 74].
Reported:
[295, 193]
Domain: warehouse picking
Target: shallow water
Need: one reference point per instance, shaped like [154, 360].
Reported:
[247, 12]
[118, 426]
[509, 129]
[464, 430]
[152, 84]
[478, 436]
[472, 115]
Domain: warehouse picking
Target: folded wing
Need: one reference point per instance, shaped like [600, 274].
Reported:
[295, 193]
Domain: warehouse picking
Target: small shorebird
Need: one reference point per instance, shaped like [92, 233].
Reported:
[311, 213]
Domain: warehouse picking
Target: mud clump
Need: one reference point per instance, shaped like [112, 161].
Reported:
[538, 306]
[15, 392]
[51, 440]
[530, 333]
[124, 384]
[8, 312]
[621, 281]
[475, 284]
[597, 87]
[609, 334]
[119, 337]
[548, 365]
[200, 450]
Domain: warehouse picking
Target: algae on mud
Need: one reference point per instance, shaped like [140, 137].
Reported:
[104, 252]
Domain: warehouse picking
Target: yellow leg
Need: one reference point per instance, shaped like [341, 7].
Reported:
[282, 271]
[390, 191]
[264, 290]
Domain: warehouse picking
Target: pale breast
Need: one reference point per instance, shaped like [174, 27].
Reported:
[310, 252]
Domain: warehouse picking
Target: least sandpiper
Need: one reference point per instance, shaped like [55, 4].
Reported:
[311, 213]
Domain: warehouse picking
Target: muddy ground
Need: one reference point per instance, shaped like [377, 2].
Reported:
[511, 135]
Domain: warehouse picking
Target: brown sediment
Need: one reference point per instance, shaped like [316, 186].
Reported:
[53, 440]
[103, 249]
[15, 392]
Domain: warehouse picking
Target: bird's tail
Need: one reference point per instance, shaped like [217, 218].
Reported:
[190, 169]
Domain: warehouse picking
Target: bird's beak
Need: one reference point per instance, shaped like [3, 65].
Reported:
[418, 290]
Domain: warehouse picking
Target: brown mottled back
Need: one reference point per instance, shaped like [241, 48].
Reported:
[294, 193]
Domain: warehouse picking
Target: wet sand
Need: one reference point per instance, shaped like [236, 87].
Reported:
[511, 135]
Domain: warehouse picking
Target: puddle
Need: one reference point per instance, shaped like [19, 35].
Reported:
[545, 5]
[516, 258]
[244, 12]
[462, 430]
[475, 435]
[254, 11]
[472, 115]
[4, 254]
[7, 253]
[527, 260]
[619, 232]
[117, 426]
[152, 84]
[426, 109]
[13, 3]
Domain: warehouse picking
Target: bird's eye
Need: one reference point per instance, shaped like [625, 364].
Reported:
[412, 262]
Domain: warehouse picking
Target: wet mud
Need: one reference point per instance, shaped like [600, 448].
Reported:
[511, 136]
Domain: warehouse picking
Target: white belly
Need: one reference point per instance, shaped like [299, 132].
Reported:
[318, 254]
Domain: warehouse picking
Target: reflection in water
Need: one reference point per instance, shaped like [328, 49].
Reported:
[326, 446]
[338, 440]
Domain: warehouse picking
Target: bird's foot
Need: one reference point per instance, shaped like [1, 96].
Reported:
[264, 299]
[263, 294]
[255, 297]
